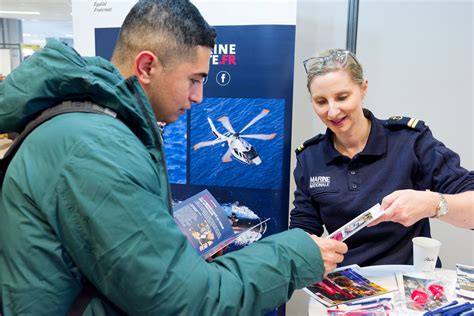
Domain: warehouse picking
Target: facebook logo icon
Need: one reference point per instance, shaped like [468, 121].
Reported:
[223, 78]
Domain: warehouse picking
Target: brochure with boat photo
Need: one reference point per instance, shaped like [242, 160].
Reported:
[205, 224]
[344, 286]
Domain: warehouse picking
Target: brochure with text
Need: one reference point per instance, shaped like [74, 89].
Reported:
[205, 224]
[343, 286]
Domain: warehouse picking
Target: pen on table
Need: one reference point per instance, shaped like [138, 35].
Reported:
[457, 310]
[366, 311]
[369, 302]
[454, 310]
[441, 309]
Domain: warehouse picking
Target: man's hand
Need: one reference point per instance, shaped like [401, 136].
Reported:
[332, 252]
[408, 206]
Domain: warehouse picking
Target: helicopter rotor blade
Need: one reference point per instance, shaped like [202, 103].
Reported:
[207, 143]
[255, 119]
[226, 123]
[260, 136]
[227, 156]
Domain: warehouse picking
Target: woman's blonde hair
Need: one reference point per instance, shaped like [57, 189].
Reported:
[333, 60]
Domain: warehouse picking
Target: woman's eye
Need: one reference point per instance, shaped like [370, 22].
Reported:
[321, 102]
[342, 98]
[194, 81]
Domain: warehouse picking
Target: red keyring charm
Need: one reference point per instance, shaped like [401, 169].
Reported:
[437, 290]
[419, 297]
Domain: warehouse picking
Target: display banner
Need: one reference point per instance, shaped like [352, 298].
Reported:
[236, 143]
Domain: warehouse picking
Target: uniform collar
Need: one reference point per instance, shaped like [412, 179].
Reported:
[376, 144]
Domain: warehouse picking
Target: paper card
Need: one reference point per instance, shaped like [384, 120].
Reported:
[357, 223]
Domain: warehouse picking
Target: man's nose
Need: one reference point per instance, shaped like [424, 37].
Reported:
[196, 95]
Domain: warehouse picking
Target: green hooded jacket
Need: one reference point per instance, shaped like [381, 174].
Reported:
[87, 196]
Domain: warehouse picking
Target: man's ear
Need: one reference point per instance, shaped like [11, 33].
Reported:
[146, 63]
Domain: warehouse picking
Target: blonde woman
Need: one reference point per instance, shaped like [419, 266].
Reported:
[362, 160]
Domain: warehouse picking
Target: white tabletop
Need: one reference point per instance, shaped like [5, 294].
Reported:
[385, 276]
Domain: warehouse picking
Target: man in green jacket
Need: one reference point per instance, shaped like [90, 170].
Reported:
[86, 197]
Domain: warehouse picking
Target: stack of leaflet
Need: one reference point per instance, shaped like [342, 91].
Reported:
[465, 281]
[344, 286]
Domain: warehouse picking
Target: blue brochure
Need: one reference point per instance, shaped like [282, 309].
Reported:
[203, 221]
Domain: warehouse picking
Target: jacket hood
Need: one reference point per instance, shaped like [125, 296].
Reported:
[58, 73]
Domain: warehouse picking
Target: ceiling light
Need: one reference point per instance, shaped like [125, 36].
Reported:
[19, 12]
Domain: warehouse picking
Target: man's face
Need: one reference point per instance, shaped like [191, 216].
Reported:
[173, 89]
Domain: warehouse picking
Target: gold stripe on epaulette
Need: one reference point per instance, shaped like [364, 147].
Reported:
[410, 122]
[413, 125]
[300, 148]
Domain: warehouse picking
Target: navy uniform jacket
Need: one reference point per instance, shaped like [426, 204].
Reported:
[332, 189]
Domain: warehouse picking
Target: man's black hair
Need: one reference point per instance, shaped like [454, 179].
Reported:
[169, 28]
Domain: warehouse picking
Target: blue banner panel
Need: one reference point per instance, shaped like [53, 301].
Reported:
[105, 39]
[236, 143]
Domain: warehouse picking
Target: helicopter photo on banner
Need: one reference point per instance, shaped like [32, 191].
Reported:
[238, 147]
[237, 142]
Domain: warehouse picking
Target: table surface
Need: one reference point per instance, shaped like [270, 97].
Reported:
[385, 276]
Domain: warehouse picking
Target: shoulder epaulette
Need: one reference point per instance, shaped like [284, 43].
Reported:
[399, 122]
[316, 139]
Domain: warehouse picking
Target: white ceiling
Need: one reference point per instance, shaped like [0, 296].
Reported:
[54, 20]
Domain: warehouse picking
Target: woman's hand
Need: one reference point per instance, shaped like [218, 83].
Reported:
[408, 206]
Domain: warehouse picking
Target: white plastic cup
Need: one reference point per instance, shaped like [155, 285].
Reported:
[425, 253]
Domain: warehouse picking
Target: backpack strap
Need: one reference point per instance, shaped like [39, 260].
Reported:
[83, 299]
[63, 108]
